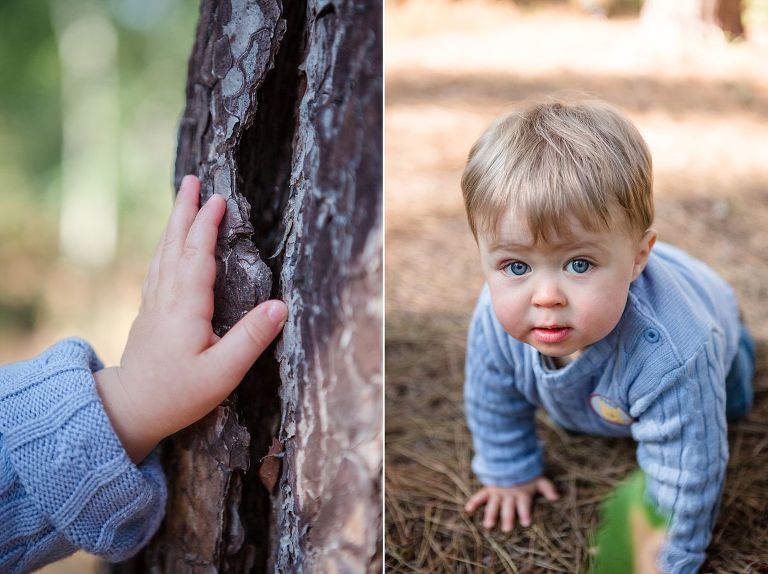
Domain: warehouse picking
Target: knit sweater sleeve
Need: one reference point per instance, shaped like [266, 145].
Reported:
[501, 420]
[683, 450]
[66, 483]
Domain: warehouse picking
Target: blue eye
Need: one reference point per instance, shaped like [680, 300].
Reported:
[517, 268]
[578, 266]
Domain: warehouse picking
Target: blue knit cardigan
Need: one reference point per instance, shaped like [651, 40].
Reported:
[659, 377]
[66, 483]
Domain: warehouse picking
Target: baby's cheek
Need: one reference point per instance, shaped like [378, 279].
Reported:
[604, 313]
[511, 317]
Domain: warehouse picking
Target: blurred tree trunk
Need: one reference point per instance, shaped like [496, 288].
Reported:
[692, 17]
[283, 118]
[729, 18]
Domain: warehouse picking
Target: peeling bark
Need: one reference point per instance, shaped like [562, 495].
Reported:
[283, 118]
[329, 512]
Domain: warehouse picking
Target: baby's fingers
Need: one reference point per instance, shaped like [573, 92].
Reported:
[183, 215]
[523, 503]
[234, 354]
[149, 288]
[205, 227]
[548, 489]
[507, 514]
[184, 210]
[197, 267]
[477, 500]
[491, 510]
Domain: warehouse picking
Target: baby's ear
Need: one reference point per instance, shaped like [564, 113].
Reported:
[643, 252]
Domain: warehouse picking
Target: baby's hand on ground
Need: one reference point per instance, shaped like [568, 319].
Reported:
[510, 501]
[174, 369]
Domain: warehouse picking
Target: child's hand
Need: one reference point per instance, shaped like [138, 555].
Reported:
[510, 501]
[174, 369]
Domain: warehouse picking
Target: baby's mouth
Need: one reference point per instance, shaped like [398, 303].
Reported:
[551, 334]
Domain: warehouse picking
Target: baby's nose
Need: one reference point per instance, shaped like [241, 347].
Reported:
[548, 294]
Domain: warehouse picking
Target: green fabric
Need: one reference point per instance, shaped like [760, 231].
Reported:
[615, 552]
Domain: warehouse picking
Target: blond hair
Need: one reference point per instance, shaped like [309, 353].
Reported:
[559, 158]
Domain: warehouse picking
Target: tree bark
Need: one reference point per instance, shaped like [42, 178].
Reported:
[283, 118]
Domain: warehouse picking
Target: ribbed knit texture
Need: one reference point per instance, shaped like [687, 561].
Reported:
[66, 483]
[664, 364]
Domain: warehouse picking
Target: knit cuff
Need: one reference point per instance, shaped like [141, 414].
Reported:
[511, 473]
[69, 459]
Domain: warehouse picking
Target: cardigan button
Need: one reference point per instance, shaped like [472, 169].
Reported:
[651, 335]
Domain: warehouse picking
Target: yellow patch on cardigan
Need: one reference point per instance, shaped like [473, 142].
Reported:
[607, 410]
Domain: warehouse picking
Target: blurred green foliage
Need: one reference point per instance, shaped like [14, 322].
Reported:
[627, 518]
[29, 69]
[154, 40]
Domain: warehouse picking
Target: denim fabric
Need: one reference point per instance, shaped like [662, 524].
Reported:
[739, 390]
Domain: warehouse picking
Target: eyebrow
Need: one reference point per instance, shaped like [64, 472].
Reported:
[502, 245]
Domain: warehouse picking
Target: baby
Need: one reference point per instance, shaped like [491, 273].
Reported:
[75, 437]
[585, 314]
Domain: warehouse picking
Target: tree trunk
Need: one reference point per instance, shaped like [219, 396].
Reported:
[729, 18]
[283, 118]
[692, 19]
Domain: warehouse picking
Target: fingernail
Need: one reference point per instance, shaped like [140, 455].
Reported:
[277, 312]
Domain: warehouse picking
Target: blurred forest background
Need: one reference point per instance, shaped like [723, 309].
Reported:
[699, 96]
[91, 95]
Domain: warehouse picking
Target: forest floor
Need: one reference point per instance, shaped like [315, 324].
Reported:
[703, 108]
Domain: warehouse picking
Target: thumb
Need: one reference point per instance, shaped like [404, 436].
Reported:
[236, 351]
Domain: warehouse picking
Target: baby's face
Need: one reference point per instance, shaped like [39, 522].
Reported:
[563, 295]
